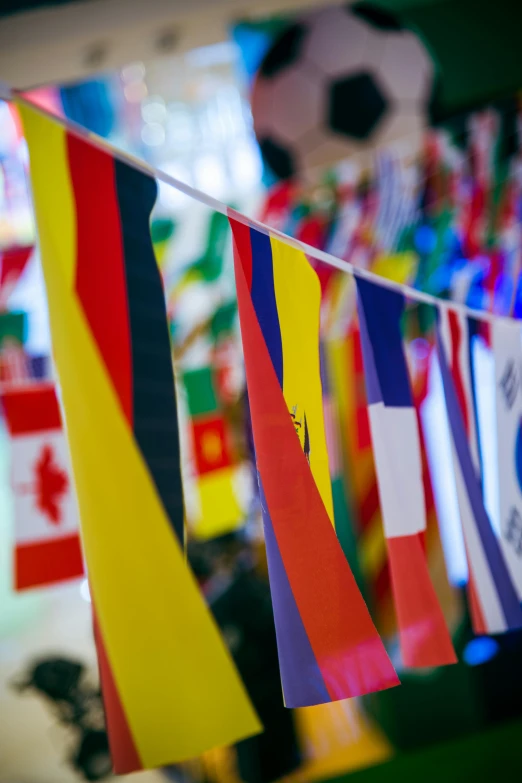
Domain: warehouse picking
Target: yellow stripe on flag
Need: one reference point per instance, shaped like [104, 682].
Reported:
[180, 691]
[298, 298]
[220, 511]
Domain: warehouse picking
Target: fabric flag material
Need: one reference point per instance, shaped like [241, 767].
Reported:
[216, 509]
[47, 548]
[507, 351]
[328, 646]
[494, 604]
[424, 638]
[162, 661]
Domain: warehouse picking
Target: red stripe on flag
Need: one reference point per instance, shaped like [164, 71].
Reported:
[100, 273]
[124, 754]
[31, 409]
[48, 562]
[425, 639]
[241, 234]
[456, 340]
[345, 642]
[14, 261]
[477, 616]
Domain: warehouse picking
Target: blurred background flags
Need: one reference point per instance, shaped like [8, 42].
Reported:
[47, 540]
[216, 509]
[424, 637]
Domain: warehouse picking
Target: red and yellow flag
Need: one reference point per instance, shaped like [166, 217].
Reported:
[171, 690]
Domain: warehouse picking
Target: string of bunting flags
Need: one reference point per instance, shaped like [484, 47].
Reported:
[113, 359]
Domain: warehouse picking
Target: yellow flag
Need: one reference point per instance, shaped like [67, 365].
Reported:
[178, 689]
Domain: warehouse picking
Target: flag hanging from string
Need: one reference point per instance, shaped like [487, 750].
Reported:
[163, 663]
[507, 351]
[424, 637]
[494, 604]
[47, 542]
[328, 646]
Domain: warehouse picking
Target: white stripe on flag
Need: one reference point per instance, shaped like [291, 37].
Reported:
[507, 349]
[396, 446]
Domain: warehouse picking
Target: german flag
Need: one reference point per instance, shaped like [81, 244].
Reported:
[170, 688]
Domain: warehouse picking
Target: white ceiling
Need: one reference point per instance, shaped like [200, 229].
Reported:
[71, 42]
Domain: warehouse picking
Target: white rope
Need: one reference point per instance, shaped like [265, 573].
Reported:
[219, 206]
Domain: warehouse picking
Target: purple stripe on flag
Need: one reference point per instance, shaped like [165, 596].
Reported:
[506, 592]
[303, 684]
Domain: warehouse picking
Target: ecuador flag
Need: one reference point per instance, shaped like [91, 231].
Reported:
[328, 646]
[170, 688]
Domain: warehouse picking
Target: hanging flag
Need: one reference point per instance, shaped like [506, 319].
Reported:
[328, 646]
[424, 637]
[494, 604]
[162, 661]
[216, 509]
[47, 548]
[507, 351]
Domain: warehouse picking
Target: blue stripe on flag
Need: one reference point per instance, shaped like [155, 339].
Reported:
[386, 373]
[263, 298]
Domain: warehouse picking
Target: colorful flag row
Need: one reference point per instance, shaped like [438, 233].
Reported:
[279, 301]
[160, 655]
[162, 662]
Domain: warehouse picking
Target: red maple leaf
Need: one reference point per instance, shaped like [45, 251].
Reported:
[52, 484]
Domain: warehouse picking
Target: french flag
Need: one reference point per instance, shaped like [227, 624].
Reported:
[47, 542]
[424, 638]
[494, 604]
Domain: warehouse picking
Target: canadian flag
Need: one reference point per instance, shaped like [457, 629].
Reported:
[47, 543]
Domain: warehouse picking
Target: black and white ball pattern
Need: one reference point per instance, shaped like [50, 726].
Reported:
[338, 84]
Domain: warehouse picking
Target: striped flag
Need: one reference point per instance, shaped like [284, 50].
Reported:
[424, 637]
[328, 646]
[494, 604]
[163, 664]
[47, 542]
[507, 351]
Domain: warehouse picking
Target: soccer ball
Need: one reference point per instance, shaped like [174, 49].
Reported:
[338, 84]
